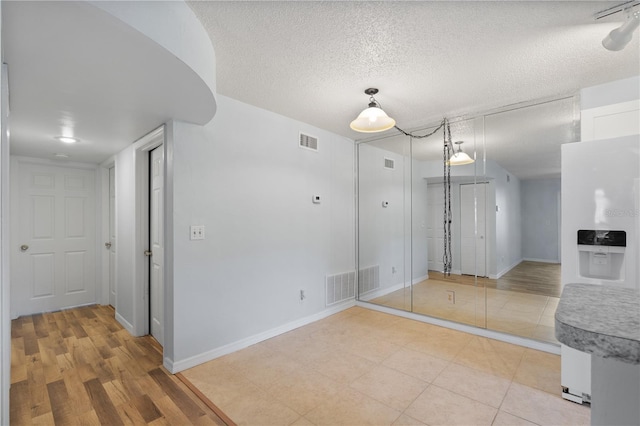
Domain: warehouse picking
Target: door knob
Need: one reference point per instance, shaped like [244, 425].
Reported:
[107, 245]
[24, 247]
[148, 253]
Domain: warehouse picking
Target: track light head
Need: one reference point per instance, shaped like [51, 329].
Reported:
[617, 39]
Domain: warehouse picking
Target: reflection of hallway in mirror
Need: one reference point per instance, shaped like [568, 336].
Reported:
[522, 302]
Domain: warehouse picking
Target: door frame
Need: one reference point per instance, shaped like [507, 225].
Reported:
[103, 176]
[143, 147]
[476, 230]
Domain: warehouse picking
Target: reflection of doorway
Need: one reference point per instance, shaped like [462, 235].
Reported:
[435, 228]
[473, 256]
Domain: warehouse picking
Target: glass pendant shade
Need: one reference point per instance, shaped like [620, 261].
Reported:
[372, 120]
[460, 158]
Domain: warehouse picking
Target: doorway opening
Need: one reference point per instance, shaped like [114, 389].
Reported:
[156, 243]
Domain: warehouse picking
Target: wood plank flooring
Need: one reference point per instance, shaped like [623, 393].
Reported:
[527, 277]
[80, 366]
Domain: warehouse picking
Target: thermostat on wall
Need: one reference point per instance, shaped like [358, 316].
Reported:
[316, 199]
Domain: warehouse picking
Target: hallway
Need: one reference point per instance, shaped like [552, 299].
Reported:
[79, 366]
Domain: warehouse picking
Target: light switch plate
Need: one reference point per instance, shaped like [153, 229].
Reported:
[196, 232]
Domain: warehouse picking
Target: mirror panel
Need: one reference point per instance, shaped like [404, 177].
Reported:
[504, 227]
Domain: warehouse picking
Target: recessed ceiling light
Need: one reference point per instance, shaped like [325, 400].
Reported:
[67, 139]
[59, 155]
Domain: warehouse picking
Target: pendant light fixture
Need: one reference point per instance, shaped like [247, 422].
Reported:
[373, 119]
[460, 157]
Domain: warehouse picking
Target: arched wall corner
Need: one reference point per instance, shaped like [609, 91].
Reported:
[174, 26]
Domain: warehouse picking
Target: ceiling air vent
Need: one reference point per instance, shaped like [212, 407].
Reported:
[308, 142]
[389, 164]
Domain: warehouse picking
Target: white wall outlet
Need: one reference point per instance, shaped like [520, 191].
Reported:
[302, 296]
[196, 232]
[315, 199]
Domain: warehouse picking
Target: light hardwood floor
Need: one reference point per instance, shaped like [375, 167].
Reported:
[79, 366]
[522, 302]
[527, 277]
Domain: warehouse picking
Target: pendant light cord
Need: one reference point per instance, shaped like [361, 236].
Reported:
[447, 258]
[447, 216]
[404, 132]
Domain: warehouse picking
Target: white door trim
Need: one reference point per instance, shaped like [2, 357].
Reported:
[103, 182]
[5, 321]
[141, 303]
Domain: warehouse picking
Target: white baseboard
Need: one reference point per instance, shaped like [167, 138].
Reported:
[529, 259]
[505, 270]
[496, 335]
[178, 366]
[420, 279]
[126, 324]
[374, 294]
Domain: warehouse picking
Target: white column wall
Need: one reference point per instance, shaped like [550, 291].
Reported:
[5, 320]
[125, 238]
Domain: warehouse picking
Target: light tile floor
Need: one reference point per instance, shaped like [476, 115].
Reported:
[363, 367]
[521, 314]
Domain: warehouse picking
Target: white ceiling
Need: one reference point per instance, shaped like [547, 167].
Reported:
[310, 61]
[75, 70]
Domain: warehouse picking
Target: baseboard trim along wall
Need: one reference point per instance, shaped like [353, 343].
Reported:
[505, 270]
[384, 291]
[176, 367]
[531, 259]
[496, 335]
[126, 324]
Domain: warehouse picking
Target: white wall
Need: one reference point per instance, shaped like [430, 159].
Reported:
[245, 179]
[540, 219]
[5, 321]
[382, 230]
[508, 219]
[419, 235]
[125, 238]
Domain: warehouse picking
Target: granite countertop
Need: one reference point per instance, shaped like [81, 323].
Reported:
[600, 320]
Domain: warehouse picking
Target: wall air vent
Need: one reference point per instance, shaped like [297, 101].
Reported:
[389, 164]
[308, 142]
[369, 279]
[340, 287]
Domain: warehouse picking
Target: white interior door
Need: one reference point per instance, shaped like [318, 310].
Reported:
[156, 237]
[53, 237]
[435, 227]
[473, 257]
[112, 236]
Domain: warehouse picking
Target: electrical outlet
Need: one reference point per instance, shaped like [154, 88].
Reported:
[302, 296]
[393, 270]
[451, 297]
[196, 232]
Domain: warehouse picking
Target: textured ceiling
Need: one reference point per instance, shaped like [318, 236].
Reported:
[312, 60]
